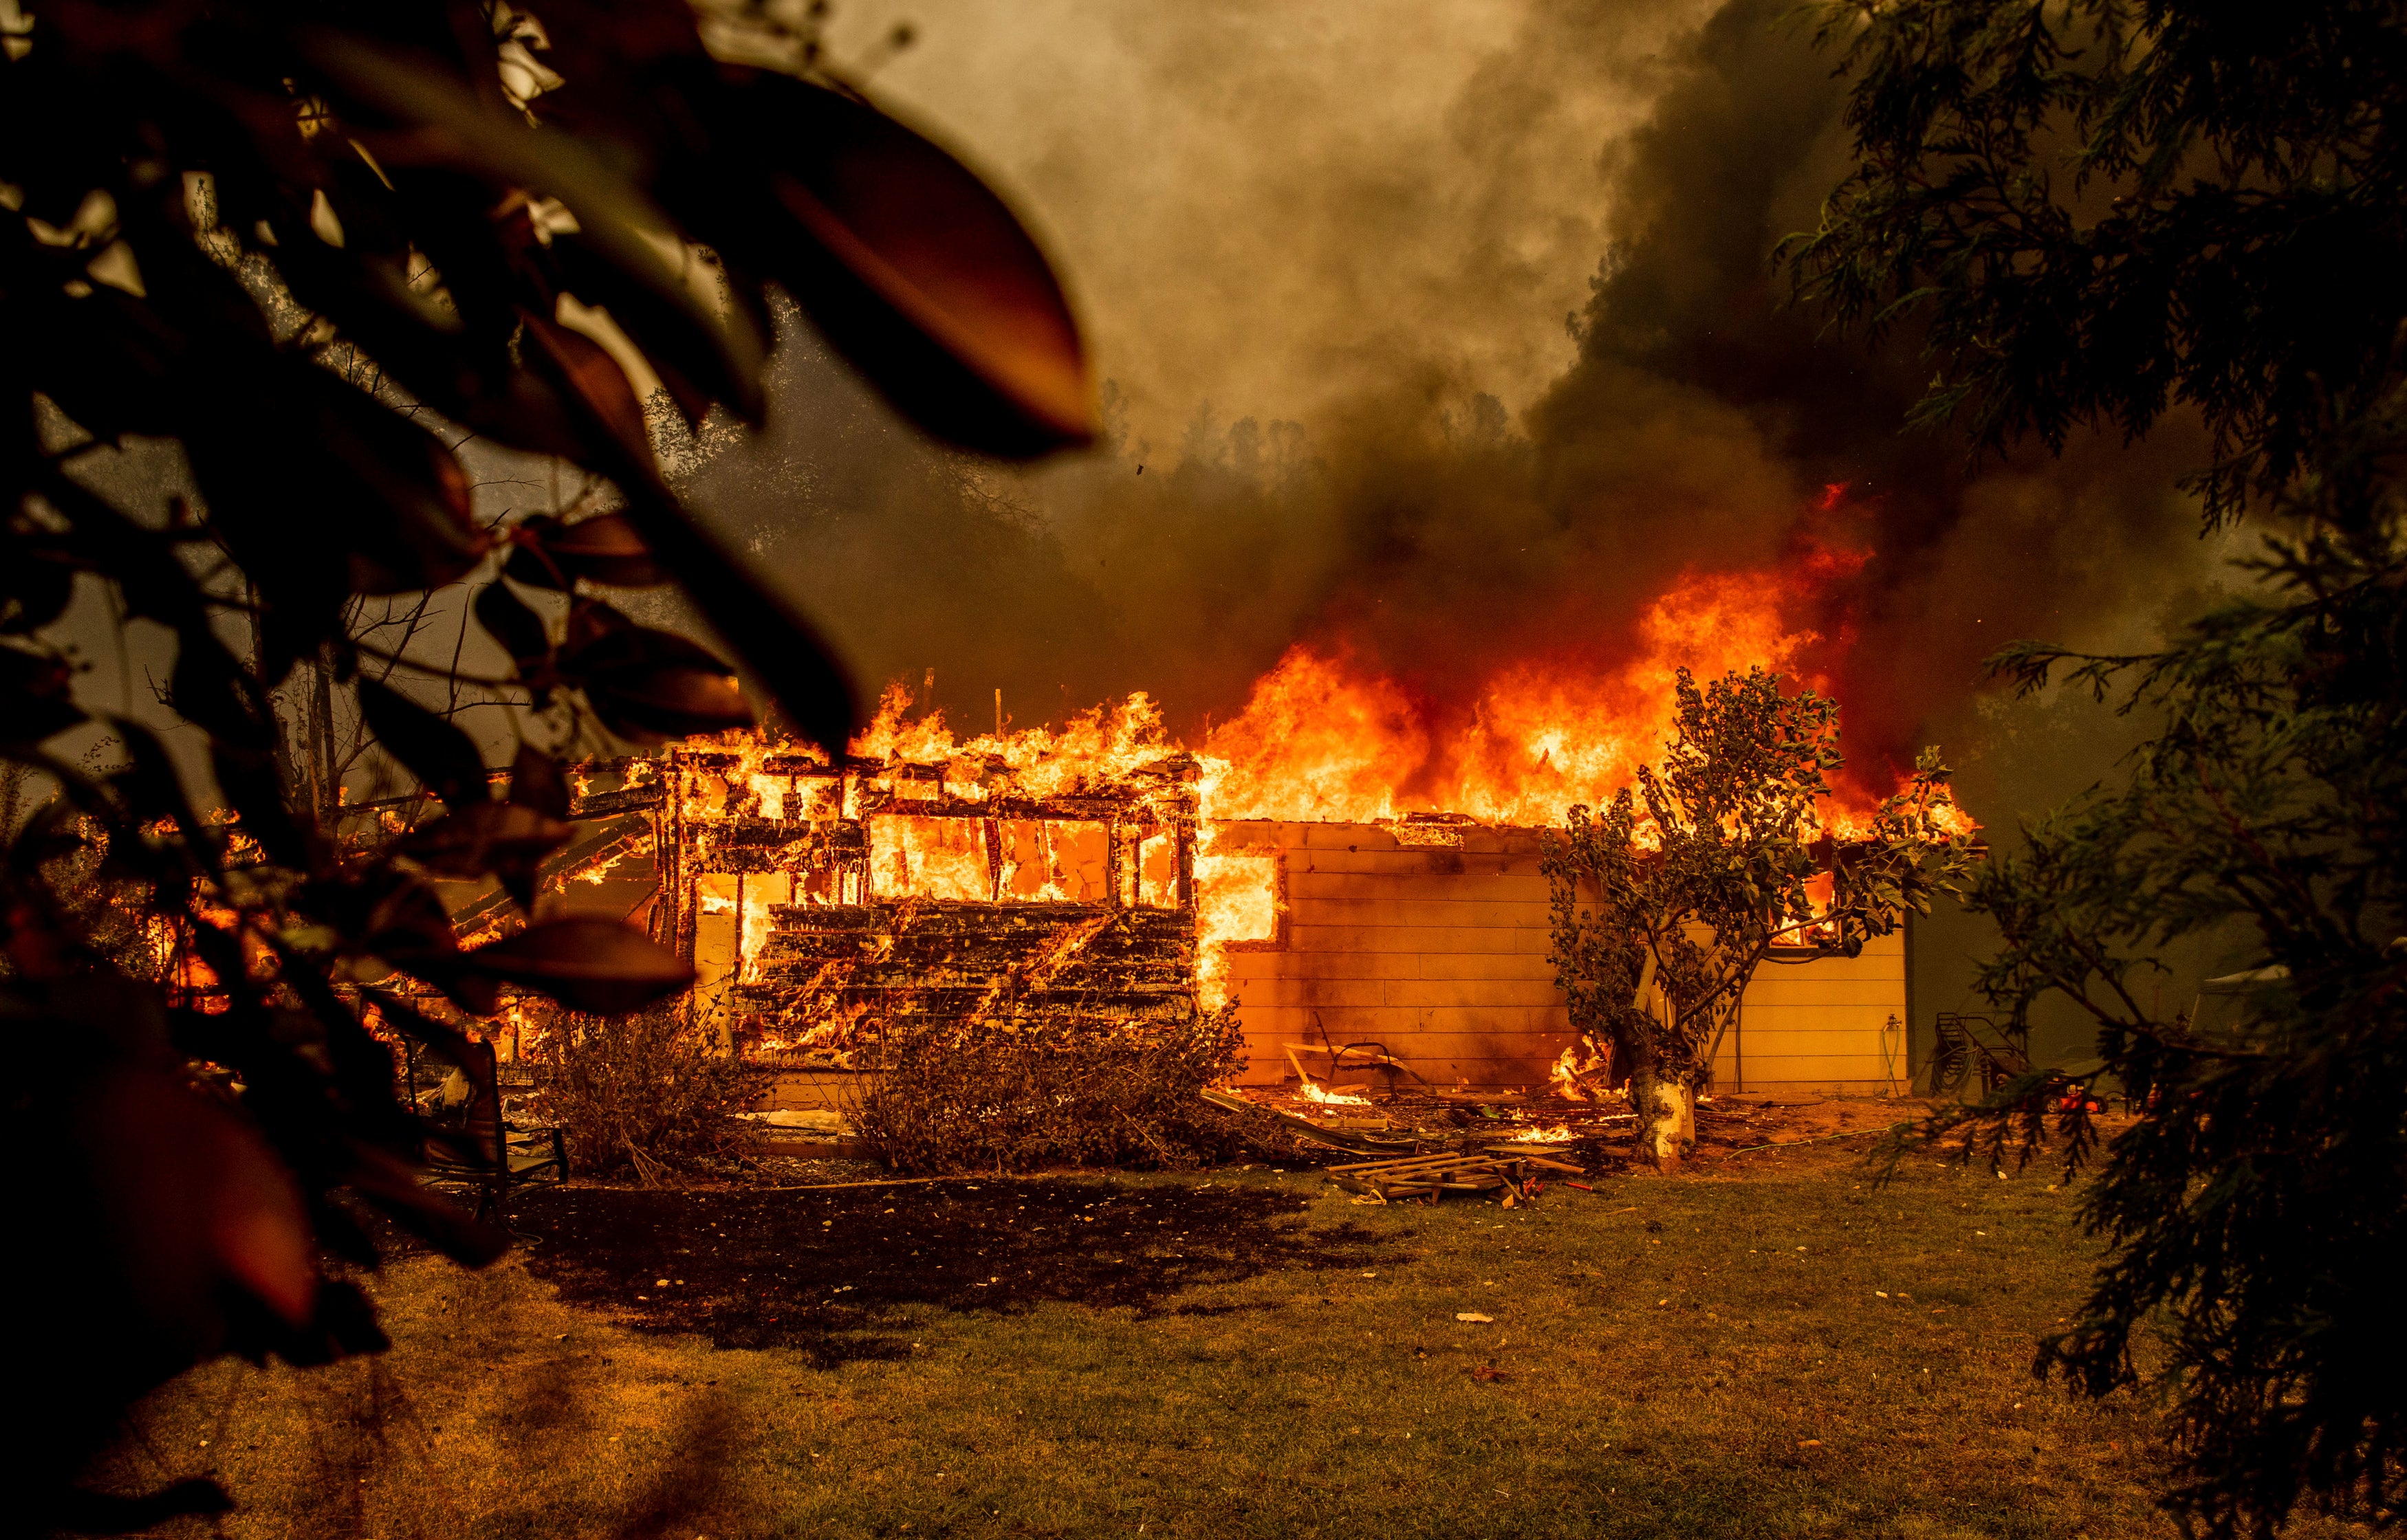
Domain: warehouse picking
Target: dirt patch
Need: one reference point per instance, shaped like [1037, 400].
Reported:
[834, 1273]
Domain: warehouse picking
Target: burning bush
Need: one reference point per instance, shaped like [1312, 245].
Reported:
[1057, 1089]
[651, 1093]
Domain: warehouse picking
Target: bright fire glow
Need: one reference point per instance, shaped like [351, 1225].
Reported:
[1236, 900]
[1560, 1133]
[1312, 1091]
[1567, 1072]
[1323, 737]
[1320, 738]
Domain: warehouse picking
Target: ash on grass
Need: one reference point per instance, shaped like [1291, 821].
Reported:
[1661, 1361]
[824, 1272]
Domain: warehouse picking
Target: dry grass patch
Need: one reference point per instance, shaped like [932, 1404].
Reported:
[1780, 1353]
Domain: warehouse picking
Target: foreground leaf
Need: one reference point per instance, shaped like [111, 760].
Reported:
[586, 963]
[442, 757]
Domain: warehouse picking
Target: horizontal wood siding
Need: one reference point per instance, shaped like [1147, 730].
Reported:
[1439, 955]
[1821, 1024]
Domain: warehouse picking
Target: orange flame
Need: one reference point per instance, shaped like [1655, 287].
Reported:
[1312, 1091]
[1567, 1074]
[1560, 1133]
[1320, 738]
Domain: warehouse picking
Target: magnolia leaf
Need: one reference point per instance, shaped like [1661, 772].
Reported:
[537, 783]
[785, 652]
[602, 549]
[195, 1203]
[418, 939]
[586, 963]
[442, 757]
[659, 703]
[148, 783]
[530, 563]
[593, 378]
[34, 699]
[252, 787]
[204, 688]
[36, 593]
[916, 271]
[650, 685]
[395, 1187]
[605, 549]
[509, 621]
[427, 536]
[483, 837]
[447, 127]
[693, 365]
[591, 619]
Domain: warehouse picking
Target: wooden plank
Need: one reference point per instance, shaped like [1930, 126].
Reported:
[1809, 1042]
[1403, 1162]
[1799, 987]
[1314, 993]
[1527, 965]
[1823, 1068]
[1473, 994]
[1305, 934]
[1521, 1152]
[1470, 914]
[1424, 886]
[1324, 965]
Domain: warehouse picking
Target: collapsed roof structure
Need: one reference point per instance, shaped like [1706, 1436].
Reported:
[823, 900]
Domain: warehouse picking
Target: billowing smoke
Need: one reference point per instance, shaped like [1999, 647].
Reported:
[1407, 516]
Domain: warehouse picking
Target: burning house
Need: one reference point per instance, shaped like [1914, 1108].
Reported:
[1103, 872]
[1427, 938]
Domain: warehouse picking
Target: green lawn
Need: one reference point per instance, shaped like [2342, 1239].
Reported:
[1708, 1355]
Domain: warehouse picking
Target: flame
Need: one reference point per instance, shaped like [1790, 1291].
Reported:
[754, 941]
[769, 791]
[1316, 743]
[1236, 900]
[1567, 1072]
[1560, 1133]
[1312, 1091]
[1322, 737]
[911, 856]
[1097, 747]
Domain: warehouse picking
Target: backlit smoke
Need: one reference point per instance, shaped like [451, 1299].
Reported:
[1467, 505]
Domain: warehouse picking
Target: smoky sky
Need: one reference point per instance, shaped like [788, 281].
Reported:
[1446, 350]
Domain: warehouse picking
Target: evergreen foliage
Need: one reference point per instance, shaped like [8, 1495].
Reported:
[2098, 211]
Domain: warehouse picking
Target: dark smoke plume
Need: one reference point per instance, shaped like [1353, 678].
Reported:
[1416, 526]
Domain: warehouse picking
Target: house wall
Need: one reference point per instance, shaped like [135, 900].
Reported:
[1439, 954]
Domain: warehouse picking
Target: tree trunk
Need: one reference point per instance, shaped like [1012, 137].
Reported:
[325, 791]
[1667, 1114]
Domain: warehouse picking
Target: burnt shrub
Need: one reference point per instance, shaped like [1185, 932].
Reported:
[652, 1096]
[1060, 1089]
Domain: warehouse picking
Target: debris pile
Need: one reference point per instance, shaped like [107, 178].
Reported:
[1382, 1146]
[1503, 1172]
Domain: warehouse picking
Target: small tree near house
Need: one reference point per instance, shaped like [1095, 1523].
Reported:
[1666, 903]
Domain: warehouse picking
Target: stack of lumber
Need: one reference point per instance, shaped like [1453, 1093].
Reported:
[1432, 1176]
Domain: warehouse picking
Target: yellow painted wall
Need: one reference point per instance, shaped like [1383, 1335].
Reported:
[1440, 956]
